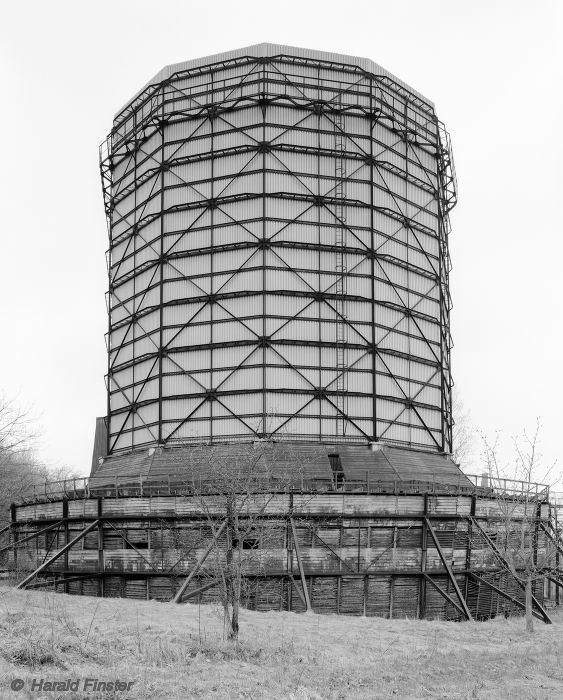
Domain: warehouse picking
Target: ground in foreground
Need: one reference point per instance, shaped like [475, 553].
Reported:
[171, 651]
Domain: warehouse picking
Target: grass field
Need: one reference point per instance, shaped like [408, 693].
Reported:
[171, 651]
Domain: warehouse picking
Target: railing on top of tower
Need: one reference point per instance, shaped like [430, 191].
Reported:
[448, 194]
[183, 485]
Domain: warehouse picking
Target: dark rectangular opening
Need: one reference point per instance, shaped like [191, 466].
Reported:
[247, 543]
[337, 470]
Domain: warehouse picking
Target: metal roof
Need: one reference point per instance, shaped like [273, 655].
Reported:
[359, 462]
[268, 50]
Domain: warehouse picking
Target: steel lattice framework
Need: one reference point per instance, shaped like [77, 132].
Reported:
[278, 260]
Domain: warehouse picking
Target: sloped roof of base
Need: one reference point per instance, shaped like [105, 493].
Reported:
[282, 459]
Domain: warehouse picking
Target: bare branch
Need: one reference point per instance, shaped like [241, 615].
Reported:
[463, 432]
[522, 544]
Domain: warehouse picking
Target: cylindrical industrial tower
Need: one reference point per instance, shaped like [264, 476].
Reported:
[278, 258]
[279, 352]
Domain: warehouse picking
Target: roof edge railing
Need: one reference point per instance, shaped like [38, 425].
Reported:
[184, 485]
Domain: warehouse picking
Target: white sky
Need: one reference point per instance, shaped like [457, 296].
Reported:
[494, 70]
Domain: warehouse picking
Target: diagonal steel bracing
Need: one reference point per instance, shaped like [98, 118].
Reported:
[447, 566]
[508, 568]
[327, 111]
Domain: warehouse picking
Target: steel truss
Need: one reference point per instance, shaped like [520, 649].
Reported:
[398, 353]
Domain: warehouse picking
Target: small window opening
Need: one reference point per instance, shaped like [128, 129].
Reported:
[337, 470]
[135, 539]
[247, 543]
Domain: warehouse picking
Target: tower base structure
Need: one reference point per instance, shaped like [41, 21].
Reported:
[329, 528]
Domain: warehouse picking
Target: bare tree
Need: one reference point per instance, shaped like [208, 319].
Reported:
[464, 434]
[18, 471]
[523, 542]
[15, 428]
[241, 520]
[19, 468]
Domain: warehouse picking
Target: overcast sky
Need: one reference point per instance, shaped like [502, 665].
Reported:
[494, 71]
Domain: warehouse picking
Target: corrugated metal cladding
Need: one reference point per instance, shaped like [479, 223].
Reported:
[278, 255]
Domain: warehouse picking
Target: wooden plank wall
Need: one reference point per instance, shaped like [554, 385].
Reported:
[362, 553]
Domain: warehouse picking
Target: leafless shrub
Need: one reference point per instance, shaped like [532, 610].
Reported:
[525, 544]
[464, 433]
[235, 496]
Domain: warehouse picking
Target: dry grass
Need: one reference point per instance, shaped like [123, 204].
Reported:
[178, 652]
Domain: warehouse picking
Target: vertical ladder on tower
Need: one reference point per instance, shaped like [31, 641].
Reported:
[340, 235]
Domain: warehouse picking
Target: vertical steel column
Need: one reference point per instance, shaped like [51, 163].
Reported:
[359, 545]
[134, 330]
[423, 560]
[14, 533]
[341, 269]
[442, 302]
[211, 116]
[264, 428]
[372, 122]
[468, 551]
[557, 560]
[67, 540]
[409, 239]
[100, 549]
[109, 218]
[535, 535]
[162, 263]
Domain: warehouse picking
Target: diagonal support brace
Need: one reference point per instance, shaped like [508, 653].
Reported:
[502, 593]
[30, 537]
[178, 597]
[492, 545]
[300, 563]
[448, 568]
[443, 593]
[58, 554]
[330, 549]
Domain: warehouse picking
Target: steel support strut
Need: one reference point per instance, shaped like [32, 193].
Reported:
[58, 554]
[300, 564]
[199, 563]
[504, 562]
[32, 536]
[451, 576]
